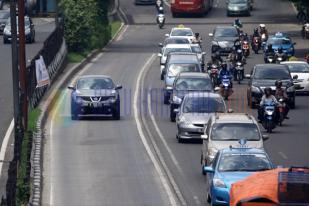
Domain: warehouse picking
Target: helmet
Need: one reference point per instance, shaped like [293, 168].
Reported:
[255, 30]
[280, 50]
[160, 9]
[278, 83]
[262, 26]
[197, 34]
[224, 65]
[267, 91]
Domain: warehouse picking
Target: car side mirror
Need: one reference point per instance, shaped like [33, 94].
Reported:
[208, 169]
[203, 53]
[217, 89]
[167, 35]
[160, 45]
[248, 76]
[230, 111]
[210, 34]
[265, 137]
[204, 137]
[176, 111]
[71, 87]
[159, 55]
[118, 87]
[295, 77]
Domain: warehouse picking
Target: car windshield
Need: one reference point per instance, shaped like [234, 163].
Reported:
[234, 132]
[182, 32]
[226, 32]
[193, 84]
[272, 73]
[27, 22]
[237, 1]
[4, 15]
[203, 104]
[243, 162]
[95, 83]
[169, 50]
[279, 41]
[299, 68]
[196, 49]
[175, 69]
[176, 41]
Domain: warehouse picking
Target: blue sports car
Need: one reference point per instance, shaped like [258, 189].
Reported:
[281, 40]
[231, 165]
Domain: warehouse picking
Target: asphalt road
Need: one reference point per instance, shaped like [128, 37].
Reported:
[43, 28]
[104, 162]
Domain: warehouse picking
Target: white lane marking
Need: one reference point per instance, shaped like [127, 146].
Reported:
[5, 144]
[197, 201]
[176, 188]
[283, 155]
[143, 138]
[167, 3]
[121, 35]
[53, 117]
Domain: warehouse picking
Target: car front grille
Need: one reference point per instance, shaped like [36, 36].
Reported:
[95, 99]
[199, 125]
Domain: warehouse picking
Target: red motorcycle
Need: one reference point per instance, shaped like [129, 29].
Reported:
[246, 48]
[256, 44]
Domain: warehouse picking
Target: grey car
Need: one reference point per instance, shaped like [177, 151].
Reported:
[238, 7]
[225, 130]
[186, 62]
[185, 83]
[29, 31]
[194, 113]
[224, 38]
[4, 16]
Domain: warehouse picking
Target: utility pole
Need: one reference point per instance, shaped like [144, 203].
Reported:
[22, 62]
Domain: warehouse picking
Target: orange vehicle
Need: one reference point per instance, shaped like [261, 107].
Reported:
[190, 7]
[278, 187]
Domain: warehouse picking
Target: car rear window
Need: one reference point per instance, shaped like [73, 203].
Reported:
[193, 84]
[175, 69]
[181, 32]
[272, 73]
[226, 32]
[203, 104]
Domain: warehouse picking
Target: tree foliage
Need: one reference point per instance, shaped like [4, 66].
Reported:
[85, 23]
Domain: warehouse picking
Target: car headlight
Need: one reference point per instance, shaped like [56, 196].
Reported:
[78, 99]
[177, 100]
[290, 89]
[112, 99]
[212, 152]
[215, 43]
[27, 31]
[255, 89]
[219, 183]
[291, 49]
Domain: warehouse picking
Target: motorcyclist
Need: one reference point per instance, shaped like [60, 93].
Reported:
[281, 94]
[269, 52]
[197, 39]
[267, 98]
[263, 30]
[281, 54]
[160, 13]
[256, 34]
[237, 45]
[237, 23]
[216, 58]
[224, 71]
[159, 3]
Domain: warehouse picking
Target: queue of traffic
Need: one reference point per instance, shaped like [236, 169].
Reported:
[196, 92]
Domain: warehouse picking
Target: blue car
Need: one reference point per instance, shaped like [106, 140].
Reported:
[281, 40]
[229, 166]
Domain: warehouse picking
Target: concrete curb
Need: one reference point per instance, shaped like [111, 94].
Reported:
[46, 106]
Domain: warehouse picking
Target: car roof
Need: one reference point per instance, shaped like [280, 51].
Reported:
[234, 118]
[181, 28]
[178, 46]
[225, 27]
[243, 150]
[271, 66]
[94, 76]
[194, 74]
[203, 94]
[294, 62]
[183, 59]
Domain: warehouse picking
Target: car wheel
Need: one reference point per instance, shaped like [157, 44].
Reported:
[116, 112]
[166, 99]
[172, 114]
[292, 104]
[162, 76]
[228, 14]
[208, 198]
[5, 41]
[180, 140]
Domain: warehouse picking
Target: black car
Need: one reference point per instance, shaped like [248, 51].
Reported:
[265, 75]
[29, 31]
[224, 38]
[95, 95]
[4, 16]
[188, 82]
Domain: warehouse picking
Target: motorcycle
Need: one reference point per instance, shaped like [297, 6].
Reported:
[305, 31]
[256, 44]
[280, 58]
[239, 72]
[282, 112]
[269, 122]
[270, 59]
[246, 48]
[161, 20]
[213, 73]
[226, 89]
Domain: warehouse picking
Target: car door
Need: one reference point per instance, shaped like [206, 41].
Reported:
[210, 175]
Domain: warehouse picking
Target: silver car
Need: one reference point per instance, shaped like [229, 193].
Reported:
[226, 130]
[238, 7]
[194, 113]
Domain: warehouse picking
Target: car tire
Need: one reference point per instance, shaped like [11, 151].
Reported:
[116, 112]
[166, 99]
[5, 41]
[292, 104]
[228, 14]
[162, 76]
[180, 140]
[172, 114]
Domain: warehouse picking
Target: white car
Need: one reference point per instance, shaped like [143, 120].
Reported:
[172, 48]
[300, 73]
[181, 32]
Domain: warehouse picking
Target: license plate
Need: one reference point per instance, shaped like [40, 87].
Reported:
[96, 104]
